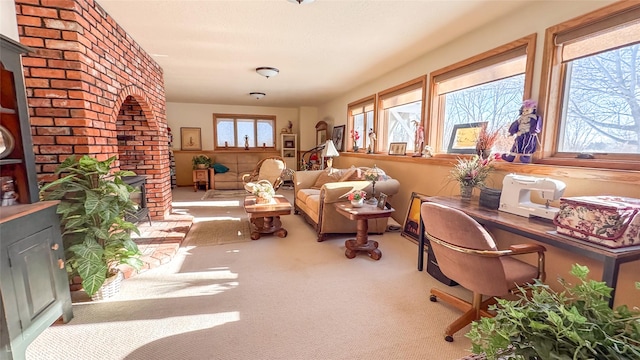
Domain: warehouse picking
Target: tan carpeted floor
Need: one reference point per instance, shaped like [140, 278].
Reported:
[217, 194]
[274, 298]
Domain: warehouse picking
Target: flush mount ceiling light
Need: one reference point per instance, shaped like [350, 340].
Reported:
[302, 1]
[267, 71]
[258, 95]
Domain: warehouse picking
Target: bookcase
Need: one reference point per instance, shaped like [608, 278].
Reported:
[289, 150]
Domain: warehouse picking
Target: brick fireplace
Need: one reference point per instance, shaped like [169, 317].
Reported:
[92, 90]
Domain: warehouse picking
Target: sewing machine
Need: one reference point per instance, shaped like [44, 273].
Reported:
[516, 195]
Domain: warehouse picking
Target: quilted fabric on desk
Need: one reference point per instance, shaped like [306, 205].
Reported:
[607, 220]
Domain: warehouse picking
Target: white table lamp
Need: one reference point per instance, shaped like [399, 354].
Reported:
[329, 151]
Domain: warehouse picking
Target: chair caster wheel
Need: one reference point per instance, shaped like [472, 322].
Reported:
[448, 338]
[433, 298]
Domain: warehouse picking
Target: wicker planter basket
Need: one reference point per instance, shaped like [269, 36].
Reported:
[110, 287]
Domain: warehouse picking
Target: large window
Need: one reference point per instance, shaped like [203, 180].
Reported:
[361, 120]
[233, 131]
[401, 114]
[487, 88]
[594, 85]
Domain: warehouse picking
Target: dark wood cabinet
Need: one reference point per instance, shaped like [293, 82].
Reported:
[34, 290]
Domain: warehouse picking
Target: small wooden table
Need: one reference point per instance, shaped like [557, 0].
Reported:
[200, 175]
[265, 218]
[362, 215]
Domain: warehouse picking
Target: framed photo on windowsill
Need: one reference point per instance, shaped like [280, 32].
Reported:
[464, 137]
[398, 148]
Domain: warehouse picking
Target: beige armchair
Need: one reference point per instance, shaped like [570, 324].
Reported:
[467, 254]
[270, 169]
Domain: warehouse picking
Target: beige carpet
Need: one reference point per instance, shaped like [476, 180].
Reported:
[286, 298]
[218, 194]
[216, 232]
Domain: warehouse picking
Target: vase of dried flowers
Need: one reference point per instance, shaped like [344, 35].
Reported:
[471, 172]
[485, 141]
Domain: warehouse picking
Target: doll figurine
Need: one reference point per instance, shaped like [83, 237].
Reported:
[525, 129]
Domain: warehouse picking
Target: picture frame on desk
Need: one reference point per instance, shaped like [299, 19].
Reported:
[411, 227]
[288, 144]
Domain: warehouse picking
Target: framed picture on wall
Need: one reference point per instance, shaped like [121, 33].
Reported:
[190, 138]
[411, 227]
[464, 137]
[338, 137]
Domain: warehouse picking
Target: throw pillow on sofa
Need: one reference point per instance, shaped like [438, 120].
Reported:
[219, 168]
[327, 176]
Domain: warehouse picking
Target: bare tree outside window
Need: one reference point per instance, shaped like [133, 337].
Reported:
[602, 111]
[497, 102]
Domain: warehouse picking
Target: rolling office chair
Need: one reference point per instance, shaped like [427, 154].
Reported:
[467, 254]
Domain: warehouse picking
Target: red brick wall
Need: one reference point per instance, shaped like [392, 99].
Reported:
[84, 72]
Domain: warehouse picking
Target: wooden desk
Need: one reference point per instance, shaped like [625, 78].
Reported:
[539, 230]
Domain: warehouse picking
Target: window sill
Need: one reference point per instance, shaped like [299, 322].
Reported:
[568, 168]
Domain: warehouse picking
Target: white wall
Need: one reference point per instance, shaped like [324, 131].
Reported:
[8, 22]
[201, 115]
[534, 18]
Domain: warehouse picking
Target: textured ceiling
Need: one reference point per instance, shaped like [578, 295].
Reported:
[209, 49]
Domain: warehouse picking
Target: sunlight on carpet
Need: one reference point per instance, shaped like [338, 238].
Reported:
[218, 232]
[216, 194]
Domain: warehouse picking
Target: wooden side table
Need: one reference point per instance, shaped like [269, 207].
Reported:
[200, 175]
[362, 216]
[265, 218]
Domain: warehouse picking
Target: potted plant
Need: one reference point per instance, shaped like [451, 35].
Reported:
[576, 323]
[201, 161]
[93, 204]
[471, 172]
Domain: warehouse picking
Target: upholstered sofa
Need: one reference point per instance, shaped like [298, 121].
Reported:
[316, 191]
[238, 165]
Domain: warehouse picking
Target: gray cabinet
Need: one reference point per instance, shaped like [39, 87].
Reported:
[34, 291]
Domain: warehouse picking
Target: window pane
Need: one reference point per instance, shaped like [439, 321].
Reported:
[265, 133]
[601, 92]
[358, 125]
[369, 116]
[245, 129]
[400, 123]
[224, 132]
[497, 102]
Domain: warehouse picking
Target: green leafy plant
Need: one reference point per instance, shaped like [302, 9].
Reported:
[201, 160]
[576, 323]
[93, 204]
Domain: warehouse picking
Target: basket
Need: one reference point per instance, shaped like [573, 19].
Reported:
[490, 198]
[109, 288]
